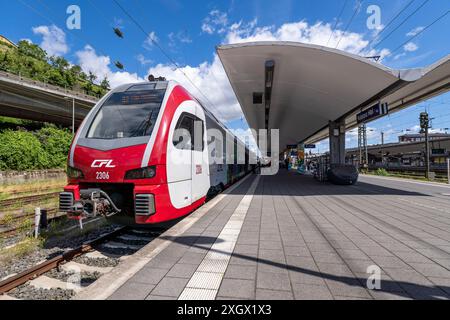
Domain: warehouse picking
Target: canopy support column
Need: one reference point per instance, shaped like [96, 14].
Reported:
[337, 142]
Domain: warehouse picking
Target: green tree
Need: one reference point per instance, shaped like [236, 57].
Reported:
[59, 63]
[105, 84]
[56, 143]
[21, 150]
[92, 77]
[32, 50]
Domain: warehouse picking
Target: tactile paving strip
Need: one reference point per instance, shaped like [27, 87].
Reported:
[206, 280]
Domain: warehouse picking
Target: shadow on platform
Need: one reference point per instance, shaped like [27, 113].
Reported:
[417, 291]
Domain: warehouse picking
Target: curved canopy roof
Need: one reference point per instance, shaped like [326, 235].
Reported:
[312, 85]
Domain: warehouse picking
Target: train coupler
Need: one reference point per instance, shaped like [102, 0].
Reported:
[92, 203]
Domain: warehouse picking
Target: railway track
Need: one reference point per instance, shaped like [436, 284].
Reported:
[54, 278]
[12, 227]
[27, 199]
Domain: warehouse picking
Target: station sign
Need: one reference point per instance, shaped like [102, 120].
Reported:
[310, 146]
[291, 146]
[375, 111]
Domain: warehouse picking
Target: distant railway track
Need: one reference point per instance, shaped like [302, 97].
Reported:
[23, 277]
[121, 243]
[12, 228]
[31, 191]
[27, 199]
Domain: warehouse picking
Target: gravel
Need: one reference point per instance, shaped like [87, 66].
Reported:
[116, 251]
[52, 247]
[97, 262]
[86, 277]
[27, 292]
[133, 242]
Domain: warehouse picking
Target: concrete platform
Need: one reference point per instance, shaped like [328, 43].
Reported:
[290, 237]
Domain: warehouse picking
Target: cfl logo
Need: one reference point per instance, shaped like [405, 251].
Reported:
[102, 163]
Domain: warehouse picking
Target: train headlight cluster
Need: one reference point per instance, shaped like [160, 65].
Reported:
[141, 173]
[74, 173]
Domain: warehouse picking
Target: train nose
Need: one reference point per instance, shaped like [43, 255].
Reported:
[108, 166]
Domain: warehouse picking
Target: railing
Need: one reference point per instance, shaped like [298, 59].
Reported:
[322, 167]
[45, 85]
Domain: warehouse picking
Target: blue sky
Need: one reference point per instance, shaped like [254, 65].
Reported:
[188, 32]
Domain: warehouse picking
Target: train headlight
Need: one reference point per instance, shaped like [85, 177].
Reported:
[141, 173]
[74, 173]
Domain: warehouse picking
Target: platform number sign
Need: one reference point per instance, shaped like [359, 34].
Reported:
[378, 110]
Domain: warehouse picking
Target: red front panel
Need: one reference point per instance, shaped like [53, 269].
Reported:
[93, 163]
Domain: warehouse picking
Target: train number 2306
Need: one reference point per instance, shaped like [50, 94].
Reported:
[102, 175]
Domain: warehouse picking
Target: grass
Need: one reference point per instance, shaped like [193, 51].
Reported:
[14, 190]
[383, 172]
[7, 219]
[21, 249]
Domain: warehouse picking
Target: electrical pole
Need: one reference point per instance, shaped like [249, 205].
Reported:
[362, 144]
[424, 126]
[382, 145]
[73, 116]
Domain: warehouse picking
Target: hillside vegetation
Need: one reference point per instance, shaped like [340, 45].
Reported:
[29, 145]
[32, 146]
[31, 61]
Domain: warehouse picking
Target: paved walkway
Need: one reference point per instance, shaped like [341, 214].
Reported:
[290, 237]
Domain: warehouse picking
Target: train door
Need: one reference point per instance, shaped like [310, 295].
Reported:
[200, 166]
[179, 162]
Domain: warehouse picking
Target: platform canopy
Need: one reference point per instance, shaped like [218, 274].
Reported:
[298, 88]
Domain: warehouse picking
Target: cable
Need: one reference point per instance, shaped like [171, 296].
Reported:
[358, 7]
[390, 22]
[337, 21]
[406, 19]
[419, 33]
[155, 43]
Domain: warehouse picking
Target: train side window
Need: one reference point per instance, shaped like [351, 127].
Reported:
[184, 131]
[199, 141]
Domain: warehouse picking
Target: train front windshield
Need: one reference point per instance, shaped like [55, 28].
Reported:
[127, 115]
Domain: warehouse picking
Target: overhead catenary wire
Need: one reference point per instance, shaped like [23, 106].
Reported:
[402, 23]
[422, 31]
[356, 11]
[168, 57]
[337, 21]
[390, 22]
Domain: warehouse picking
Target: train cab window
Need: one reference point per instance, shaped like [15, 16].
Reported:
[182, 137]
[127, 115]
[185, 136]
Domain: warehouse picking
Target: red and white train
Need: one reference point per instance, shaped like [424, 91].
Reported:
[145, 151]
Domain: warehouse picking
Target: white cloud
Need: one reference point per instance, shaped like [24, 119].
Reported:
[150, 40]
[301, 31]
[89, 61]
[180, 36]
[410, 47]
[53, 40]
[400, 55]
[143, 60]
[414, 31]
[212, 80]
[215, 21]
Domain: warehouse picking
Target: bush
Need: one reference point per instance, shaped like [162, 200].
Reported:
[56, 143]
[21, 150]
[381, 172]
